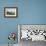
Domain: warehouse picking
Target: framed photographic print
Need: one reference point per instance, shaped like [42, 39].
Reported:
[11, 12]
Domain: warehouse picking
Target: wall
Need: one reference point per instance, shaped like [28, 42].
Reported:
[29, 12]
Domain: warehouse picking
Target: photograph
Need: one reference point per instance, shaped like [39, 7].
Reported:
[11, 12]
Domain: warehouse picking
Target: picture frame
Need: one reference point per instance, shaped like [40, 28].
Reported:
[10, 12]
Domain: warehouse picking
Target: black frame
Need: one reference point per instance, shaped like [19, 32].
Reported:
[11, 16]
